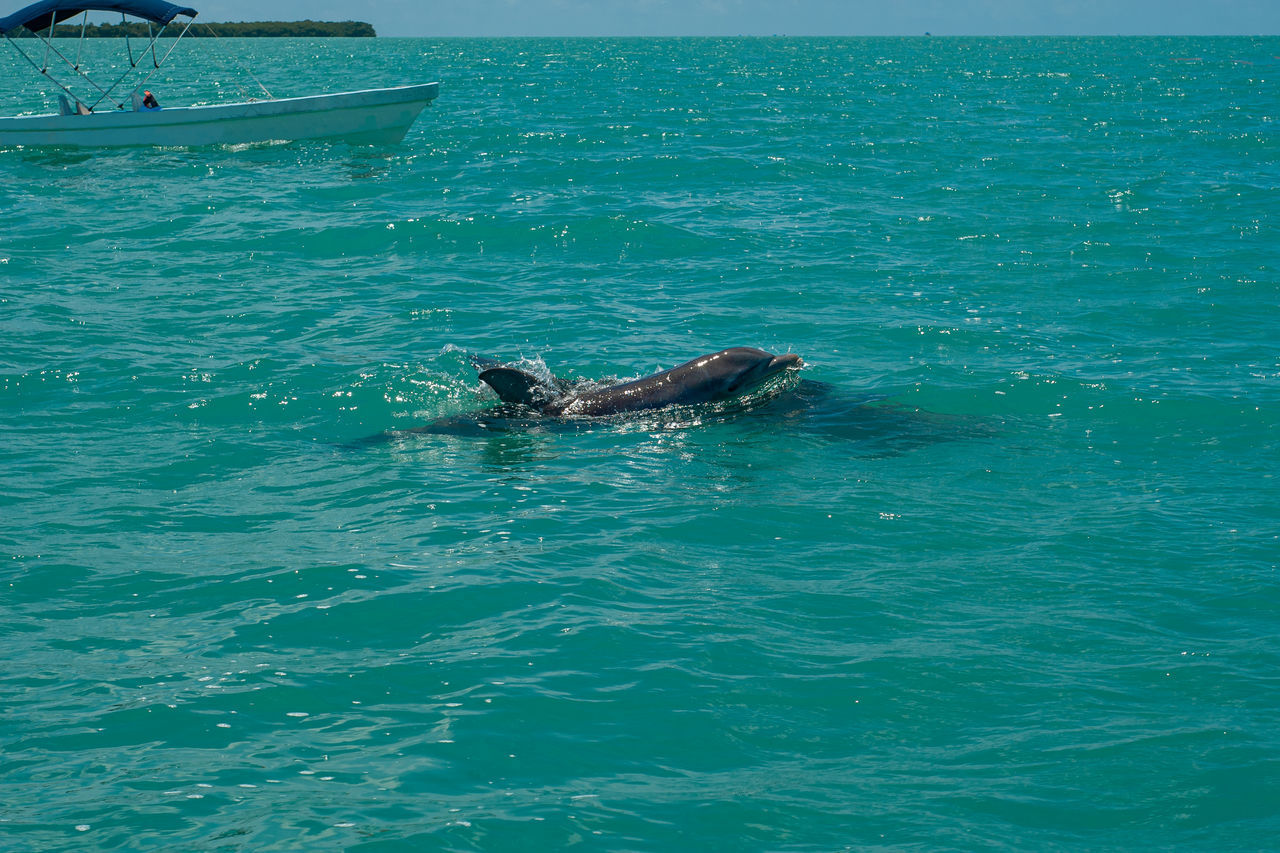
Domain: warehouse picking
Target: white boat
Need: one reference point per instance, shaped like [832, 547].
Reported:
[369, 115]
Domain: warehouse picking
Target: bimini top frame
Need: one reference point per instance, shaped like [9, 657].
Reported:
[42, 18]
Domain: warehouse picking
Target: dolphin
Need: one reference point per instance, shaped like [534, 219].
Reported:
[705, 379]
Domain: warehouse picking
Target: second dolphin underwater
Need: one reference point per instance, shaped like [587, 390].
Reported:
[712, 388]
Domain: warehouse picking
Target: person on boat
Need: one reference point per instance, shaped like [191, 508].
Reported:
[149, 101]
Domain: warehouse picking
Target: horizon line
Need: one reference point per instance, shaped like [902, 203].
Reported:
[838, 35]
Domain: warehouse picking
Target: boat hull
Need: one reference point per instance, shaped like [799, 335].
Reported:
[369, 115]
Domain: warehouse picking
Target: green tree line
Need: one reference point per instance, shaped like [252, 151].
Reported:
[247, 29]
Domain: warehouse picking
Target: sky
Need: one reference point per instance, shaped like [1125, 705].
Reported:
[768, 17]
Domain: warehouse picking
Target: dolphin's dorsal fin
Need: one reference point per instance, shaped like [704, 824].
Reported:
[516, 386]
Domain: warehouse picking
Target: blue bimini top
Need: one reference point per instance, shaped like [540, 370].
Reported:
[38, 16]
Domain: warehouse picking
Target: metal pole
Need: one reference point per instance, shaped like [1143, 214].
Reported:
[84, 23]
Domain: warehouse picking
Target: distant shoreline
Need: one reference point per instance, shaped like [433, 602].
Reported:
[246, 29]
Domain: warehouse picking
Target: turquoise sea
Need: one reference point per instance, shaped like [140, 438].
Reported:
[998, 572]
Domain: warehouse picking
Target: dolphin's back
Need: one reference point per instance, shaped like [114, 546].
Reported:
[699, 380]
[704, 379]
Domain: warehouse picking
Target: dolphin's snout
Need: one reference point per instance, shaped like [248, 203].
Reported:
[782, 362]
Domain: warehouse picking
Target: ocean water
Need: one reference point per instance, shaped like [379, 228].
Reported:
[996, 571]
